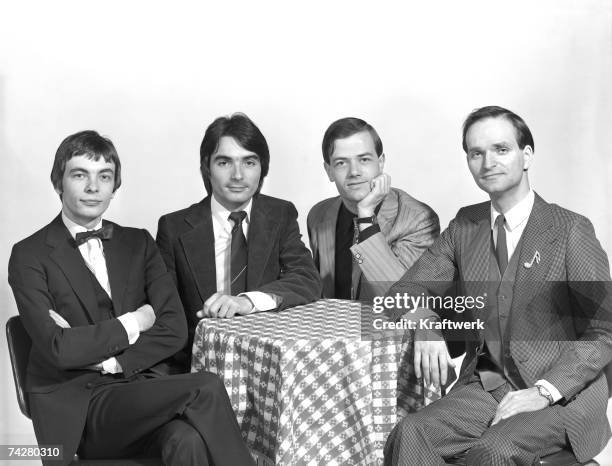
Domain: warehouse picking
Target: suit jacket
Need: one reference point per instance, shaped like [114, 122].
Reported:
[47, 271]
[278, 261]
[407, 228]
[561, 312]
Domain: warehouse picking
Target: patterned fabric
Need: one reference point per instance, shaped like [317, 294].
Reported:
[306, 389]
[561, 311]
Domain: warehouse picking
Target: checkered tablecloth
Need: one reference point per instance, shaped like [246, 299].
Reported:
[306, 388]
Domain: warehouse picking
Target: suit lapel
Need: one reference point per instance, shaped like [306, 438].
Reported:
[262, 231]
[539, 236]
[68, 258]
[327, 252]
[199, 248]
[117, 253]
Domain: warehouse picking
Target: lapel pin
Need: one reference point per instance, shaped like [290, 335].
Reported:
[536, 259]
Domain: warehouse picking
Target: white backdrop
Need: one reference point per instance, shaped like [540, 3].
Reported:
[152, 76]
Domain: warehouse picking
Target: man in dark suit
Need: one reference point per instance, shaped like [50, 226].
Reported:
[366, 238]
[531, 382]
[237, 251]
[103, 315]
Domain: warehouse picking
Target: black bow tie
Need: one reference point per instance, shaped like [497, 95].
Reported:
[106, 232]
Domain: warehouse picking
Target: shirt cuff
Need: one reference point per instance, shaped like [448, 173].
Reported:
[111, 366]
[130, 324]
[367, 232]
[261, 301]
[556, 395]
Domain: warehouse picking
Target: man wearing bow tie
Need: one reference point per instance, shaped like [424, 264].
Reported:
[237, 251]
[103, 314]
[532, 382]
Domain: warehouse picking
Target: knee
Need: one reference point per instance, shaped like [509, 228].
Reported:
[494, 447]
[180, 437]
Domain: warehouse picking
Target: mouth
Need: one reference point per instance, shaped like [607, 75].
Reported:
[357, 184]
[490, 176]
[237, 188]
[90, 202]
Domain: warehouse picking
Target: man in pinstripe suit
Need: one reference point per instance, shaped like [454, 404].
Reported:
[531, 383]
[366, 238]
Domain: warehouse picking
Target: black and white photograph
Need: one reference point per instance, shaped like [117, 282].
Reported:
[326, 233]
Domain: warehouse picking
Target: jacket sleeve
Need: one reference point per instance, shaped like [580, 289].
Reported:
[299, 281]
[385, 261]
[588, 275]
[70, 348]
[169, 332]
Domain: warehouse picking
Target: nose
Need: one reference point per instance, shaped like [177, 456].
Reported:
[490, 160]
[236, 172]
[92, 185]
[354, 168]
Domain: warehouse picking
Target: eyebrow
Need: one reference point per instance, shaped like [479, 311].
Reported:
[227, 157]
[364, 154]
[83, 170]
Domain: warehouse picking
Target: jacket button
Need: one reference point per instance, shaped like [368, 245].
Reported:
[89, 385]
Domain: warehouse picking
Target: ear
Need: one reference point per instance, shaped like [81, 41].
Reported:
[527, 157]
[329, 171]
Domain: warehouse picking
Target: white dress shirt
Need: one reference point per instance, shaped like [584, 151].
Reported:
[222, 230]
[93, 255]
[516, 220]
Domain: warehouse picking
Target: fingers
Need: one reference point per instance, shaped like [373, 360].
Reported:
[431, 361]
[417, 360]
[206, 312]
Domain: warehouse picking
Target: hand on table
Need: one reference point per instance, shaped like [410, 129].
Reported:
[379, 188]
[520, 401]
[225, 306]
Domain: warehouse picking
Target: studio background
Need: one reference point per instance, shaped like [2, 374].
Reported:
[152, 76]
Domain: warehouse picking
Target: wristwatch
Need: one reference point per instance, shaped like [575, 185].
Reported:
[371, 220]
[543, 391]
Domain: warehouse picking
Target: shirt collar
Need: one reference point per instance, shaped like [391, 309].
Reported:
[75, 228]
[221, 213]
[518, 214]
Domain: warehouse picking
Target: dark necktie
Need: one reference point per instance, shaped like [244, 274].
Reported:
[239, 255]
[106, 232]
[501, 249]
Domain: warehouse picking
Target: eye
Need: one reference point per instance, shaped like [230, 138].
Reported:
[502, 150]
[339, 163]
[221, 163]
[475, 155]
[251, 163]
[366, 160]
[78, 176]
[106, 177]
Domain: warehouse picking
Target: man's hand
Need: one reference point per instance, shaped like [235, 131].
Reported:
[432, 362]
[145, 316]
[379, 188]
[225, 306]
[520, 401]
[58, 319]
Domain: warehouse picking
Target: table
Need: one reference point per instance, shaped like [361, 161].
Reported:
[305, 387]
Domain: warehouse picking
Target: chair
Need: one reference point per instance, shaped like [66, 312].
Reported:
[19, 344]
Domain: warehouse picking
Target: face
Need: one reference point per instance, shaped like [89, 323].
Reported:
[353, 164]
[234, 174]
[87, 189]
[495, 159]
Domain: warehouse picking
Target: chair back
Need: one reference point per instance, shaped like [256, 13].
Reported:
[19, 345]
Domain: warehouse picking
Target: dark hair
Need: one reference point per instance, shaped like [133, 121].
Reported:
[523, 134]
[243, 130]
[90, 144]
[344, 128]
